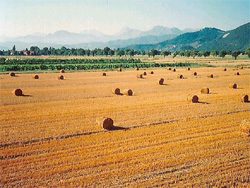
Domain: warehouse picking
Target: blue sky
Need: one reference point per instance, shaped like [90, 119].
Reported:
[22, 17]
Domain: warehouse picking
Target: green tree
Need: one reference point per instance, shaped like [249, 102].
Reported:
[235, 54]
[206, 53]
[111, 52]
[222, 53]
[247, 51]
[154, 52]
[194, 53]
[214, 53]
[106, 51]
[165, 53]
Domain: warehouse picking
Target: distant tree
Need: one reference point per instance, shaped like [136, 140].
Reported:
[182, 53]
[175, 54]
[200, 54]
[87, 52]
[45, 51]
[131, 53]
[247, 51]
[206, 53]
[187, 53]
[154, 52]
[111, 52]
[214, 53]
[35, 49]
[194, 53]
[222, 53]
[14, 52]
[165, 53]
[235, 54]
[149, 53]
[106, 51]
[80, 52]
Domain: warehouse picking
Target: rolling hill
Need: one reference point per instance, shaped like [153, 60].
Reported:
[205, 39]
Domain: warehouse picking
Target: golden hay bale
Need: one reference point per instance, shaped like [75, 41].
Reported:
[104, 74]
[137, 69]
[119, 70]
[35, 76]
[145, 74]
[161, 81]
[241, 67]
[116, 91]
[245, 126]
[62, 71]
[236, 73]
[180, 76]
[105, 123]
[152, 72]
[127, 92]
[233, 85]
[139, 76]
[60, 77]
[188, 69]
[193, 98]
[195, 73]
[225, 69]
[210, 76]
[17, 92]
[169, 68]
[244, 98]
[174, 70]
[12, 74]
[205, 90]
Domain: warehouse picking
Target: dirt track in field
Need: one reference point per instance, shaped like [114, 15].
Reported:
[49, 138]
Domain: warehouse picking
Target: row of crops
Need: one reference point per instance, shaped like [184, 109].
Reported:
[80, 64]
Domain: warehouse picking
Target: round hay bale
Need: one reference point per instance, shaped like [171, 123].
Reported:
[161, 81]
[225, 69]
[105, 123]
[104, 74]
[188, 69]
[62, 71]
[169, 68]
[180, 76]
[137, 69]
[210, 76]
[139, 76]
[195, 73]
[174, 70]
[127, 92]
[60, 77]
[233, 85]
[116, 91]
[17, 92]
[241, 67]
[193, 98]
[145, 74]
[244, 98]
[236, 73]
[152, 72]
[119, 69]
[205, 90]
[35, 76]
[12, 74]
[245, 126]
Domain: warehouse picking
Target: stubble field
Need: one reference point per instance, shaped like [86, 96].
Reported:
[49, 136]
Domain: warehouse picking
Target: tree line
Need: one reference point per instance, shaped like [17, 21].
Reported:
[63, 51]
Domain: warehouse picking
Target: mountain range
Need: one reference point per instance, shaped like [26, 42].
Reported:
[159, 37]
[204, 39]
[92, 38]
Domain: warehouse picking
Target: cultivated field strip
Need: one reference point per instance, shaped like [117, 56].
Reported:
[50, 138]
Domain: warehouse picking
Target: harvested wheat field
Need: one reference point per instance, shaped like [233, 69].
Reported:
[49, 136]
